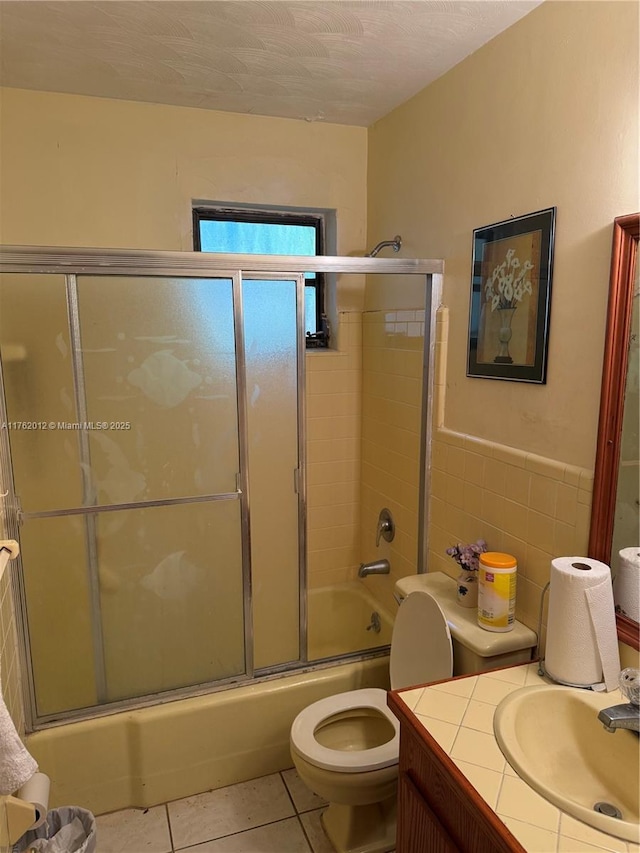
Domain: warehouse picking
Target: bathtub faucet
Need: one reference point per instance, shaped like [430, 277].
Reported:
[378, 567]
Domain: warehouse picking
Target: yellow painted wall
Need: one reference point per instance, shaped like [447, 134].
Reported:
[81, 171]
[544, 115]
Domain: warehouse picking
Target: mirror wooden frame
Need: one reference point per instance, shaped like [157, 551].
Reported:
[626, 232]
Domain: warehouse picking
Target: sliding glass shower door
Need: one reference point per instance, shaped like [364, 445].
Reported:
[124, 430]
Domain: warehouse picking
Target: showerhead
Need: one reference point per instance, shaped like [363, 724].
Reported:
[395, 244]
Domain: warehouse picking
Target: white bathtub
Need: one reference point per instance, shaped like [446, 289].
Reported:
[165, 752]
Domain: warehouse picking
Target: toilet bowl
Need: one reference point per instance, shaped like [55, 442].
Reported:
[345, 747]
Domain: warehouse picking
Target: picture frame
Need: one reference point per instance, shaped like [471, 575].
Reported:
[511, 277]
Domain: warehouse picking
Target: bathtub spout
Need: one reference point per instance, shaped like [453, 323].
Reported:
[378, 567]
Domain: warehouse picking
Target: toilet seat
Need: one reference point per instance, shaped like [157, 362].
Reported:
[421, 647]
[345, 761]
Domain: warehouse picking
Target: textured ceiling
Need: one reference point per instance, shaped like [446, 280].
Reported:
[344, 61]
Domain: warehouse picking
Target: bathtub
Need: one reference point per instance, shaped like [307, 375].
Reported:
[147, 756]
[338, 619]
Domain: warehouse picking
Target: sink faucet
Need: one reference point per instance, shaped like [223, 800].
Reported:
[626, 715]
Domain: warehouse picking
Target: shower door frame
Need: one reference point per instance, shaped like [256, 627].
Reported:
[72, 262]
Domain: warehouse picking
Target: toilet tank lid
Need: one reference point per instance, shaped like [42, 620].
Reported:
[462, 621]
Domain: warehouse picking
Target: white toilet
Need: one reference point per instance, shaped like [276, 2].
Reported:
[345, 747]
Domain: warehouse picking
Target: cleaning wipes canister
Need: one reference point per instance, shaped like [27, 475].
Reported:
[497, 591]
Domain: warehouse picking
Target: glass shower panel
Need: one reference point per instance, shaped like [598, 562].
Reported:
[59, 613]
[159, 371]
[39, 390]
[171, 597]
[272, 413]
[169, 610]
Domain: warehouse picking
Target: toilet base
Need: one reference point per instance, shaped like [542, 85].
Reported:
[361, 829]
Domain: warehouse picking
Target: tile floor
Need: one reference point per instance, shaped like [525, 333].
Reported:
[272, 814]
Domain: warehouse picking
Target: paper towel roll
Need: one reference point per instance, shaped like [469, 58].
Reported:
[627, 583]
[582, 639]
[36, 792]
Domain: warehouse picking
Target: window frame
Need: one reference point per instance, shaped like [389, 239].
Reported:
[275, 217]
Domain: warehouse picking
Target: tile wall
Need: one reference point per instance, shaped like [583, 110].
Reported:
[334, 407]
[530, 506]
[392, 355]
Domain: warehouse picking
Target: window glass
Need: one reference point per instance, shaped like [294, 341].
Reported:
[263, 232]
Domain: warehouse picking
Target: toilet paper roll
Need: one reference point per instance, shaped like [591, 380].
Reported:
[582, 639]
[36, 792]
[627, 583]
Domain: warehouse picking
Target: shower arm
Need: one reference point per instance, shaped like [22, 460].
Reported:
[395, 244]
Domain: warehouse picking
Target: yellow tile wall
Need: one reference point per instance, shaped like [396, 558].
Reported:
[392, 353]
[334, 407]
[530, 506]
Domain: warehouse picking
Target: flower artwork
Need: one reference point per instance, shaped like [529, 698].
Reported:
[510, 298]
[509, 282]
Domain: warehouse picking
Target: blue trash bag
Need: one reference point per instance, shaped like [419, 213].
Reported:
[68, 829]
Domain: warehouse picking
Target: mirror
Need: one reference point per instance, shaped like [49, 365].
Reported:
[607, 514]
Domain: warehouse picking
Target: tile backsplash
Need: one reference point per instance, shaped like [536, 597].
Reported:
[532, 507]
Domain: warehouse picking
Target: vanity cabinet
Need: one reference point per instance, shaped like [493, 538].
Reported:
[439, 811]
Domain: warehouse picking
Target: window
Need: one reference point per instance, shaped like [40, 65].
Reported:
[267, 232]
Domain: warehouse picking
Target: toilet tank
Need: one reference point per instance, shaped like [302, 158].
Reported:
[474, 649]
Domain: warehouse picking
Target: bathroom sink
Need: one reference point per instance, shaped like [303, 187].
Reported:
[552, 737]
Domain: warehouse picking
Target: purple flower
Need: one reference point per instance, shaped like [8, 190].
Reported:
[467, 555]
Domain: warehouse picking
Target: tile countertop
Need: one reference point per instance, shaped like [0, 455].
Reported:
[459, 716]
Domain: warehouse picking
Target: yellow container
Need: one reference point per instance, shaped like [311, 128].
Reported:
[497, 591]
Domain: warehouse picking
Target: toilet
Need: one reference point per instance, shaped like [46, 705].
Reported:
[346, 747]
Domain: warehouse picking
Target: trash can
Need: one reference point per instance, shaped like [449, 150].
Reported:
[68, 829]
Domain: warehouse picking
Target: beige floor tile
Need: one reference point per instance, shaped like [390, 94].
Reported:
[304, 799]
[134, 831]
[226, 811]
[284, 835]
[315, 833]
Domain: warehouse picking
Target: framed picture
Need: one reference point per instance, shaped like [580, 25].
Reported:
[511, 298]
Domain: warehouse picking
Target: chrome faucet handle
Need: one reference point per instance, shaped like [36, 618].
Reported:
[629, 683]
[386, 527]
